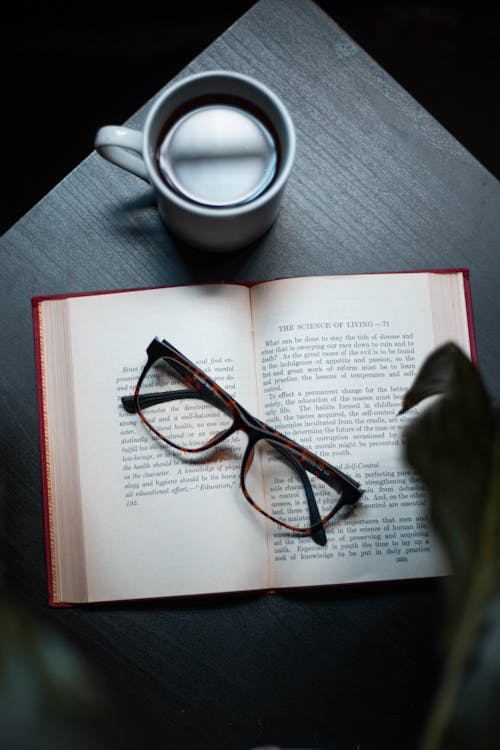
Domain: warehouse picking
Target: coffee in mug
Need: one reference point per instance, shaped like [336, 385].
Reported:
[217, 149]
[218, 153]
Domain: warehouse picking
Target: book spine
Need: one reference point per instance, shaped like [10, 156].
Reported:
[44, 458]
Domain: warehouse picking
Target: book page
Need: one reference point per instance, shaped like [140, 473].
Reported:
[335, 356]
[157, 522]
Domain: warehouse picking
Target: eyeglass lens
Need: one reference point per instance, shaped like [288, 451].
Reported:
[187, 422]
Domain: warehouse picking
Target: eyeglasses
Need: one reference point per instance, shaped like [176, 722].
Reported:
[285, 482]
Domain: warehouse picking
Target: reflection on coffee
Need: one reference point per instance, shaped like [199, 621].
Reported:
[218, 155]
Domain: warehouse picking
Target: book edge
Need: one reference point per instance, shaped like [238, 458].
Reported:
[283, 591]
[48, 522]
[94, 293]
[470, 316]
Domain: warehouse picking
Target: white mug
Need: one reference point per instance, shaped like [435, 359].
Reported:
[209, 227]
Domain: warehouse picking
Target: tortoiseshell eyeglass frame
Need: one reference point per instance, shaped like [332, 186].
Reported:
[203, 387]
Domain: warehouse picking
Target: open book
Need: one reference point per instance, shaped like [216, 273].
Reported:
[324, 360]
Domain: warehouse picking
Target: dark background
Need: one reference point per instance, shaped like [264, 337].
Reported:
[68, 70]
[65, 72]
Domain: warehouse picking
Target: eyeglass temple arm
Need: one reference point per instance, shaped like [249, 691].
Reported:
[351, 491]
[319, 534]
[152, 399]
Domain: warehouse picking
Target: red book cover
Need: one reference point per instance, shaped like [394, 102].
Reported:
[42, 413]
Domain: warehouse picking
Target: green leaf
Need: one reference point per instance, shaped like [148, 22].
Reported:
[450, 446]
[454, 447]
[438, 374]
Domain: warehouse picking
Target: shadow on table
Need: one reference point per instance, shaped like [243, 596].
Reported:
[138, 217]
[298, 596]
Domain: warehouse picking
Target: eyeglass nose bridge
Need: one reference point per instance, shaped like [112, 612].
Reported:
[248, 423]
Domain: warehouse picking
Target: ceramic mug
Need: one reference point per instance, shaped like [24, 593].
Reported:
[208, 227]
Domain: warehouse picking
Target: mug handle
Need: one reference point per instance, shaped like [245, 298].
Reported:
[123, 147]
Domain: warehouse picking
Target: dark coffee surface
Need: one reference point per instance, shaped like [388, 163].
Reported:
[218, 155]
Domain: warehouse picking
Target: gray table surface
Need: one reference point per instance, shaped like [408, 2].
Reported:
[378, 185]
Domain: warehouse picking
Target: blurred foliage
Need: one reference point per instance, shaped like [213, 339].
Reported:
[455, 448]
[49, 695]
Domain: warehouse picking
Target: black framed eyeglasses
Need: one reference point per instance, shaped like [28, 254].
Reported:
[285, 482]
